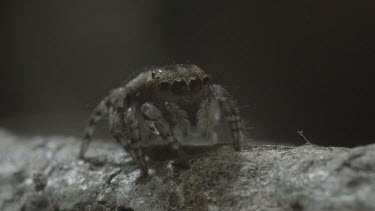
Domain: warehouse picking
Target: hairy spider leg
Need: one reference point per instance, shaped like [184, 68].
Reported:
[98, 113]
[150, 112]
[117, 125]
[132, 124]
[115, 100]
[231, 115]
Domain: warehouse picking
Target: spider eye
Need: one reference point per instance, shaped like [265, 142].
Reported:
[206, 80]
[153, 74]
[195, 84]
[179, 86]
[164, 85]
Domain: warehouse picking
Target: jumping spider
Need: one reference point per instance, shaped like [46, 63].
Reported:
[175, 99]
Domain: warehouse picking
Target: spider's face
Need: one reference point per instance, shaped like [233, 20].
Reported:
[178, 79]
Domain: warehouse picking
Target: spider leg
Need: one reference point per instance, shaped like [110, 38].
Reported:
[96, 116]
[178, 118]
[116, 99]
[132, 123]
[208, 115]
[231, 115]
[150, 112]
[117, 125]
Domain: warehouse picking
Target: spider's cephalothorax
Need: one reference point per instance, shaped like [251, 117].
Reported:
[183, 85]
[166, 101]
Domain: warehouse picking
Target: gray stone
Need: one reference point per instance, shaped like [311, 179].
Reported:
[43, 173]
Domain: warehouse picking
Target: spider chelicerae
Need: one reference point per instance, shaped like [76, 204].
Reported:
[172, 101]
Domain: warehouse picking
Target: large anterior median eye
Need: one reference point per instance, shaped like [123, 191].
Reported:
[195, 84]
[179, 86]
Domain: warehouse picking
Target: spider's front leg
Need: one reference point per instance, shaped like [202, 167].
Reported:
[117, 124]
[178, 118]
[150, 112]
[231, 115]
[132, 123]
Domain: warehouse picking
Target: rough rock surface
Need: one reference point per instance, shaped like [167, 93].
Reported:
[44, 174]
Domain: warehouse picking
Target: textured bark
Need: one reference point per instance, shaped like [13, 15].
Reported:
[43, 173]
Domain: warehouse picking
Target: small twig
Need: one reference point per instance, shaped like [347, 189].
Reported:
[300, 132]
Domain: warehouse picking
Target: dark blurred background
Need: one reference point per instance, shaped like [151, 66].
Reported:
[292, 65]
